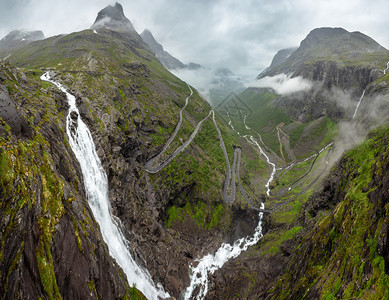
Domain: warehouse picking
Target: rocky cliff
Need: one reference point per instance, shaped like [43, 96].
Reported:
[51, 246]
[333, 60]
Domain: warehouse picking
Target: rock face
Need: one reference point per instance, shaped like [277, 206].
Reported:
[165, 58]
[51, 245]
[112, 17]
[168, 61]
[330, 44]
[19, 38]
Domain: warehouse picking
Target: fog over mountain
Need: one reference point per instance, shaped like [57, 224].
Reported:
[243, 36]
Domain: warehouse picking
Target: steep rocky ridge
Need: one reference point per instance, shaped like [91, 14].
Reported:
[165, 58]
[332, 44]
[51, 245]
[280, 57]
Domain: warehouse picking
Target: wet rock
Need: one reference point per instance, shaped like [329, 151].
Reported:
[10, 115]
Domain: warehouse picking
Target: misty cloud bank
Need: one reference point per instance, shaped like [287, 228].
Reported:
[201, 79]
[208, 80]
[283, 84]
[371, 114]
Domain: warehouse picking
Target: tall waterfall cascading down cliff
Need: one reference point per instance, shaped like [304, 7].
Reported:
[96, 187]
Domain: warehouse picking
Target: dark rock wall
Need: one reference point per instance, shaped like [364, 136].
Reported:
[50, 245]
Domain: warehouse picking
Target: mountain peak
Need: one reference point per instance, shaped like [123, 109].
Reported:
[18, 38]
[27, 35]
[148, 37]
[335, 45]
[326, 40]
[112, 17]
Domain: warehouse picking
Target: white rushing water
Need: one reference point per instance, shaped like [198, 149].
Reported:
[359, 103]
[273, 172]
[387, 67]
[212, 262]
[96, 187]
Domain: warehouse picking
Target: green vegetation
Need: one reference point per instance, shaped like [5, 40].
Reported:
[277, 239]
[345, 262]
[135, 294]
[25, 163]
[205, 216]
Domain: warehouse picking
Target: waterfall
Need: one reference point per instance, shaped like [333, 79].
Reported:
[212, 262]
[359, 103]
[96, 187]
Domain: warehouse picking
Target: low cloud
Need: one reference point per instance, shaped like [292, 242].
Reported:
[283, 84]
[209, 80]
[201, 79]
[357, 123]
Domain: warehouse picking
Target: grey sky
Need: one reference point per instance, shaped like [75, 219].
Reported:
[243, 35]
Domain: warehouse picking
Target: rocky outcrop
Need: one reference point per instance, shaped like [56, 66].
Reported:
[336, 62]
[330, 84]
[331, 44]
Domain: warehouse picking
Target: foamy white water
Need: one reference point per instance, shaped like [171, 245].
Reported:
[212, 262]
[96, 187]
[359, 103]
[387, 67]
[273, 172]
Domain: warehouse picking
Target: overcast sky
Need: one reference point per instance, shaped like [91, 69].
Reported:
[243, 35]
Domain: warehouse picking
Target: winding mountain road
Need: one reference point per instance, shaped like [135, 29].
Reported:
[150, 164]
[154, 165]
[279, 205]
[229, 183]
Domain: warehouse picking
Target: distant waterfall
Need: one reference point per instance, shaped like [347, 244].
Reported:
[96, 187]
[359, 103]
